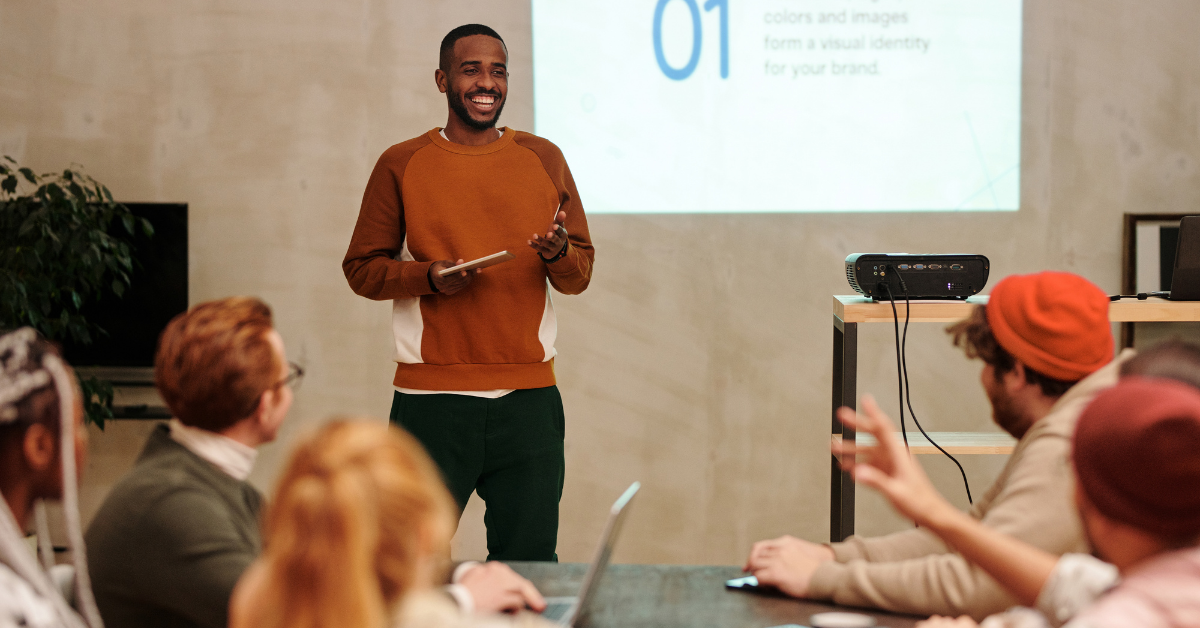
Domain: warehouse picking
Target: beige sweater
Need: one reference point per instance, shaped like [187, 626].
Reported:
[914, 572]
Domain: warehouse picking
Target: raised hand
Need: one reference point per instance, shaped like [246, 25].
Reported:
[555, 239]
[886, 466]
[453, 282]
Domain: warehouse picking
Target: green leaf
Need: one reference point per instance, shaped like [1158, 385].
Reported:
[29, 176]
[10, 159]
[147, 228]
[127, 220]
[118, 288]
[10, 184]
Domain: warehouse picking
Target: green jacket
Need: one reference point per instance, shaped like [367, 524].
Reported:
[171, 540]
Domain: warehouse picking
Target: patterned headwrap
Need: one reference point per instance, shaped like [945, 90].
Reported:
[21, 376]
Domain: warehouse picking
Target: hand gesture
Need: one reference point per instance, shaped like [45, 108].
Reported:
[555, 239]
[496, 588]
[453, 282]
[887, 466]
[786, 563]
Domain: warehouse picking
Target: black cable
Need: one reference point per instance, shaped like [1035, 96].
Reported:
[902, 358]
[899, 363]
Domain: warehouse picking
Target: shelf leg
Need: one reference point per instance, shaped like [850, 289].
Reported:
[845, 390]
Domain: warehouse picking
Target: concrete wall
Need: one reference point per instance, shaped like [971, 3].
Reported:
[699, 360]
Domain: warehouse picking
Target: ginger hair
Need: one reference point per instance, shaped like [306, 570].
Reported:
[357, 509]
[214, 362]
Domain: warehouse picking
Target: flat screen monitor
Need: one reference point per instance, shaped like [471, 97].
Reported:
[158, 291]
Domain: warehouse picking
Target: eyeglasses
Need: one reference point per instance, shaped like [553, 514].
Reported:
[294, 377]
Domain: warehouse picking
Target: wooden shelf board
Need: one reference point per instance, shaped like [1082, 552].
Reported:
[969, 443]
[859, 309]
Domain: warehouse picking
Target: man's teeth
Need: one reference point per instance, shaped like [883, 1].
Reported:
[483, 100]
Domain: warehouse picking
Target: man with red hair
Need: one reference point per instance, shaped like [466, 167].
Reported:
[1047, 349]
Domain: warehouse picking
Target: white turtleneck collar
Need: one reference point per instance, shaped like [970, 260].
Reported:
[228, 455]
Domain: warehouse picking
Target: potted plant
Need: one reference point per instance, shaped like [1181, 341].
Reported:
[64, 243]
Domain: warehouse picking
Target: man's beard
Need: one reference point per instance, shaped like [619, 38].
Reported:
[456, 105]
[1006, 415]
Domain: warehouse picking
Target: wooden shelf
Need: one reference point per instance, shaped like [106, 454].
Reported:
[859, 309]
[971, 443]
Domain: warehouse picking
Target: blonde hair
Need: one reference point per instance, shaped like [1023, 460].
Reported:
[358, 507]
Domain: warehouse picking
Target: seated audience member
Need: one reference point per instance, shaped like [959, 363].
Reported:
[177, 532]
[1137, 471]
[172, 538]
[1170, 359]
[1045, 342]
[43, 445]
[357, 534]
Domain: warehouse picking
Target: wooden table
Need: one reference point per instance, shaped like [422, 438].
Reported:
[669, 596]
[849, 311]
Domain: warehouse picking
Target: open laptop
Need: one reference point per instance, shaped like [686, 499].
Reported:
[1185, 278]
[565, 610]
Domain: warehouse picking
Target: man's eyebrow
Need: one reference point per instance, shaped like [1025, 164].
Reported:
[466, 63]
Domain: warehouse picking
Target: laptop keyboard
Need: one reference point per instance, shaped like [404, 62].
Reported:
[558, 609]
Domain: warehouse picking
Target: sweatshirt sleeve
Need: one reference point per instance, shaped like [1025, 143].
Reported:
[913, 543]
[572, 273]
[371, 265]
[1035, 505]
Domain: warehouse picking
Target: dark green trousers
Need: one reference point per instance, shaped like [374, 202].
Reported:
[509, 450]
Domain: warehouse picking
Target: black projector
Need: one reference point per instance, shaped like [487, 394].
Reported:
[887, 276]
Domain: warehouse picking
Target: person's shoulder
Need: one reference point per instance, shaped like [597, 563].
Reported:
[166, 476]
[400, 153]
[536, 143]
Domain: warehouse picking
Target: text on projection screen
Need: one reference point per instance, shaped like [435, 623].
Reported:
[782, 105]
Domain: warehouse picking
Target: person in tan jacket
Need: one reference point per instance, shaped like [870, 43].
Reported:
[1047, 349]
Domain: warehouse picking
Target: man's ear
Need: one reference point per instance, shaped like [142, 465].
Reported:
[40, 447]
[441, 79]
[264, 405]
[1014, 380]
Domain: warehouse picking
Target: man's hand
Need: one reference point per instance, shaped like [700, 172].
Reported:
[555, 239]
[498, 589]
[937, 621]
[453, 282]
[887, 467]
[786, 563]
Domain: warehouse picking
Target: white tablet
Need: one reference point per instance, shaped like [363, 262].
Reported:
[483, 262]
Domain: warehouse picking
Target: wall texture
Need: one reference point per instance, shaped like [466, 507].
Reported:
[698, 362]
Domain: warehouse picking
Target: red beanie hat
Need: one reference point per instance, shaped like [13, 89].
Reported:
[1055, 323]
[1137, 455]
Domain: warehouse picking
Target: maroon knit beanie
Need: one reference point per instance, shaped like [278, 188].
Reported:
[1137, 455]
[1055, 323]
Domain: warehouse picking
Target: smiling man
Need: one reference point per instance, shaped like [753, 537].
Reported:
[474, 351]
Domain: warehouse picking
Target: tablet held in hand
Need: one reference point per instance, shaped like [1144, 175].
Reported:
[483, 262]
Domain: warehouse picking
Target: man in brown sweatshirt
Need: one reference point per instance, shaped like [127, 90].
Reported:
[474, 351]
[1047, 349]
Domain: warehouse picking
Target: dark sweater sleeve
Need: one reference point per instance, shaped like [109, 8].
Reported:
[370, 265]
[572, 273]
[192, 557]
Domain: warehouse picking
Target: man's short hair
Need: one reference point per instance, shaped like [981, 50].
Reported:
[974, 335]
[1171, 359]
[446, 52]
[214, 362]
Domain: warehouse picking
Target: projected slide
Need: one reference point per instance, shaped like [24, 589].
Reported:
[674, 106]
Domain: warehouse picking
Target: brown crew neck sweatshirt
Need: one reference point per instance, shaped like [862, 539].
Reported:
[430, 199]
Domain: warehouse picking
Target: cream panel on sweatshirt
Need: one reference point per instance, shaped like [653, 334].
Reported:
[408, 326]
